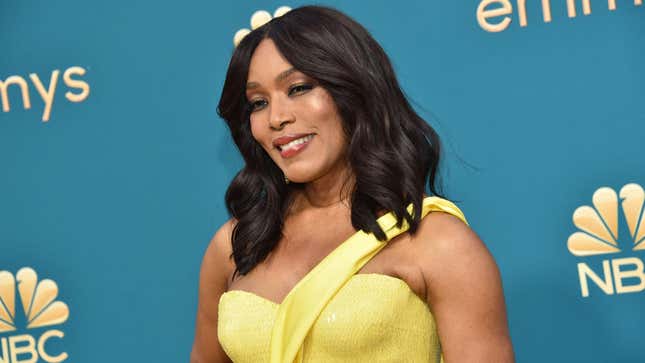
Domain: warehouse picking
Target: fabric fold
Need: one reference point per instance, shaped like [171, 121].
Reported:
[302, 306]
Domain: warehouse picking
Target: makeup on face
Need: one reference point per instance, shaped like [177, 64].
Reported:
[293, 117]
[291, 144]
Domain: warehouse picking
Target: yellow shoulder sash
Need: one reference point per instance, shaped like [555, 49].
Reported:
[300, 309]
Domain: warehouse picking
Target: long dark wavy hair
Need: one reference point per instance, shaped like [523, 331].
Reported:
[393, 153]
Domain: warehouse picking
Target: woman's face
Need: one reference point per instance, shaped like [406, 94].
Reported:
[293, 118]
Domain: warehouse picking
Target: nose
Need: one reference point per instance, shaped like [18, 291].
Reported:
[280, 115]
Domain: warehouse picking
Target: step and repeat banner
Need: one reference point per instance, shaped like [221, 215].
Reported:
[114, 164]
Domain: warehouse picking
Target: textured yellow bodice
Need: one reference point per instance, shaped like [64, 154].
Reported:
[370, 318]
[374, 318]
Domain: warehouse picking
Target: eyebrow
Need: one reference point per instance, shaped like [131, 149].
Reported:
[279, 78]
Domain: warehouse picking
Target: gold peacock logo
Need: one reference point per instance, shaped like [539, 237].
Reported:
[40, 308]
[37, 300]
[599, 225]
[598, 235]
[258, 19]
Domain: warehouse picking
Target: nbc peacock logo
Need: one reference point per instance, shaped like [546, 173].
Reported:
[40, 309]
[598, 235]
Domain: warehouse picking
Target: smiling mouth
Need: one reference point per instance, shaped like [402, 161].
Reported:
[294, 144]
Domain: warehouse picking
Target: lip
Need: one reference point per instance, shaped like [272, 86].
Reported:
[287, 139]
[282, 140]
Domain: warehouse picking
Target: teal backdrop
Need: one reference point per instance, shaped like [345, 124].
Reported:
[115, 197]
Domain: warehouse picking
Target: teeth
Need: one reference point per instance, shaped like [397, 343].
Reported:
[295, 142]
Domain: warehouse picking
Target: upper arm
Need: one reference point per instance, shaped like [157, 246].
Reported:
[464, 291]
[215, 270]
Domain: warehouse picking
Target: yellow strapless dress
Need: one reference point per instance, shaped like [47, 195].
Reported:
[370, 318]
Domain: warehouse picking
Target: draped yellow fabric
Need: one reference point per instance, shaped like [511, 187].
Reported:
[334, 314]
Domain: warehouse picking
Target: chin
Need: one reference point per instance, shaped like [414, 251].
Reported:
[298, 178]
[301, 176]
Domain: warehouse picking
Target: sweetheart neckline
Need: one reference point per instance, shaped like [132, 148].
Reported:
[386, 222]
[371, 274]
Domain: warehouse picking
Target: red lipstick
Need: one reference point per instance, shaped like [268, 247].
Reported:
[291, 144]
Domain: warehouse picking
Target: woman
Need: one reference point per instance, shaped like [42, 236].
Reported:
[331, 254]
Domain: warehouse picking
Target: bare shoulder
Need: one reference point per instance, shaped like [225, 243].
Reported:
[452, 257]
[464, 290]
[216, 268]
[443, 239]
[217, 254]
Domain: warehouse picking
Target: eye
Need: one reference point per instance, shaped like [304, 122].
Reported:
[299, 88]
[256, 105]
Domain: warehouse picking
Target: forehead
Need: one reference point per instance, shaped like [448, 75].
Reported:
[266, 63]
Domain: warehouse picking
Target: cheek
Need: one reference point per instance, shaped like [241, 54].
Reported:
[340, 141]
[323, 109]
[258, 134]
[321, 105]
[330, 123]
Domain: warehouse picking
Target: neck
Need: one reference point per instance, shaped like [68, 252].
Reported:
[331, 189]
